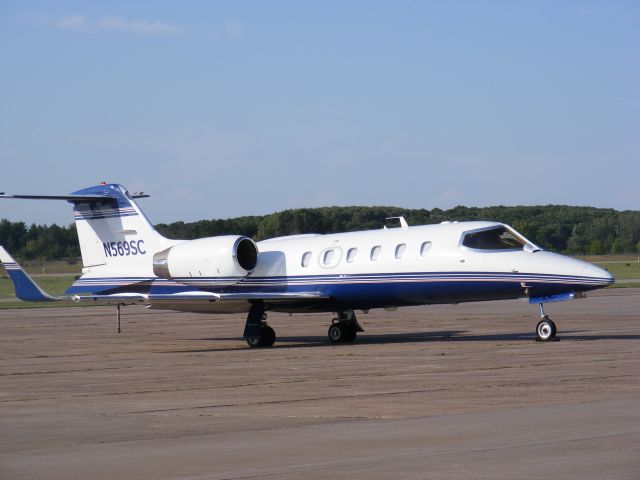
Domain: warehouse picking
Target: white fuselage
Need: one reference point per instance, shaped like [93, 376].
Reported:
[414, 265]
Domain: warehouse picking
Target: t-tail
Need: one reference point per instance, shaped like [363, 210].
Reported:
[114, 234]
[117, 241]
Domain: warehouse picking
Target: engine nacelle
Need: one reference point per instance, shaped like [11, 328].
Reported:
[227, 256]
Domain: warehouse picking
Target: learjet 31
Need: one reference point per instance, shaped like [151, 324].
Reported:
[126, 261]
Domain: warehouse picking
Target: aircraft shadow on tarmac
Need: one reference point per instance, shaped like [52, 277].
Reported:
[409, 337]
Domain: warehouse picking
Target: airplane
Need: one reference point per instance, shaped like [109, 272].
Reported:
[126, 261]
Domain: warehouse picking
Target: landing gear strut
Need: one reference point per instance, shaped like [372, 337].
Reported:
[545, 330]
[257, 331]
[344, 328]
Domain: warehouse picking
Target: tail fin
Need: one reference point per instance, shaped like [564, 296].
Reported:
[114, 234]
[116, 240]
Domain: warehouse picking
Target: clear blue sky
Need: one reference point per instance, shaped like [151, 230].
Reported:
[221, 109]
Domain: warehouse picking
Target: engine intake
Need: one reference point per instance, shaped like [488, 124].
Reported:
[226, 257]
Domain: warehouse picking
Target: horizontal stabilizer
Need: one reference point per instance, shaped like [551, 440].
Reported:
[26, 289]
[69, 198]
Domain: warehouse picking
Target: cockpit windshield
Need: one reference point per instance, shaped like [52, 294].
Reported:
[498, 238]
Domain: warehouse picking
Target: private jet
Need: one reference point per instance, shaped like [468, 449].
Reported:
[126, 261]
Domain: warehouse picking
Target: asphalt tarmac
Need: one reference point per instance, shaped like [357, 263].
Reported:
[438, 392]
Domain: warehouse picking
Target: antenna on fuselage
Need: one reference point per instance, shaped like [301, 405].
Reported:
[403, 222]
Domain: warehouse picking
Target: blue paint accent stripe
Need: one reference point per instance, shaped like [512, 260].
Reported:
[103, 213]
[330, 282]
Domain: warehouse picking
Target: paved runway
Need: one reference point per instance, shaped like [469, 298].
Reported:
[440, 392]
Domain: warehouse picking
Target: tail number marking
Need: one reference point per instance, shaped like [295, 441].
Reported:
[124, 249]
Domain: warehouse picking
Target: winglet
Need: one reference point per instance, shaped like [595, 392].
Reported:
[26, 289]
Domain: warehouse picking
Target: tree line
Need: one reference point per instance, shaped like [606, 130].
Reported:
[559, 228]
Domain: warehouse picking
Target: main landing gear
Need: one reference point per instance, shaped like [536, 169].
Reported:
[344, 328]
[545, 330]
[257, 331]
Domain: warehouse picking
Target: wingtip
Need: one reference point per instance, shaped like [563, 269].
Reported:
[5, 257]
[26, 289]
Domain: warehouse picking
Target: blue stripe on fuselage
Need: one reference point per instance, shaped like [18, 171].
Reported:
[367, 290]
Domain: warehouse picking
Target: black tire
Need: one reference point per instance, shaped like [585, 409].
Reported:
[350, 334]
[254, 342]
[546, 330]
[341, 333]
[268, 336]
[266, 339]
[336, 333]
[553, 327]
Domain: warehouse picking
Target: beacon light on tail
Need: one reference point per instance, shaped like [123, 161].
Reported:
[126, 261]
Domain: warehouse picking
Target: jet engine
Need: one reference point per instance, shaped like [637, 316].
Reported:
[227, 257]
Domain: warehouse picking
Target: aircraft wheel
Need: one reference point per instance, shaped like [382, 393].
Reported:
[336, 333]
[350, 334]
[341, 333]
[266, 339]
[546, 330]
[268, 336]
[553, 326]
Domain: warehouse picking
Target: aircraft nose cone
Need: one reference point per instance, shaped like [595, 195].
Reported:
[599, 273]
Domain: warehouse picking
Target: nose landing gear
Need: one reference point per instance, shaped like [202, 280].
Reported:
[545, 330]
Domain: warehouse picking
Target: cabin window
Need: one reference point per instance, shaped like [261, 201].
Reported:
[330, 257]
[425, 248]
[498, 238]
[351, 255]
[306, 259]
[375, 253]
[327, 257]
[400, 250]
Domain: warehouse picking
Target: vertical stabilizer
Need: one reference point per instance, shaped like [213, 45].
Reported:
[117, 241]
[116, 238]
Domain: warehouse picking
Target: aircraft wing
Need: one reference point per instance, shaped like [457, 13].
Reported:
[26, 288]
[273, 296]
[29, 291]
[195, 296]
